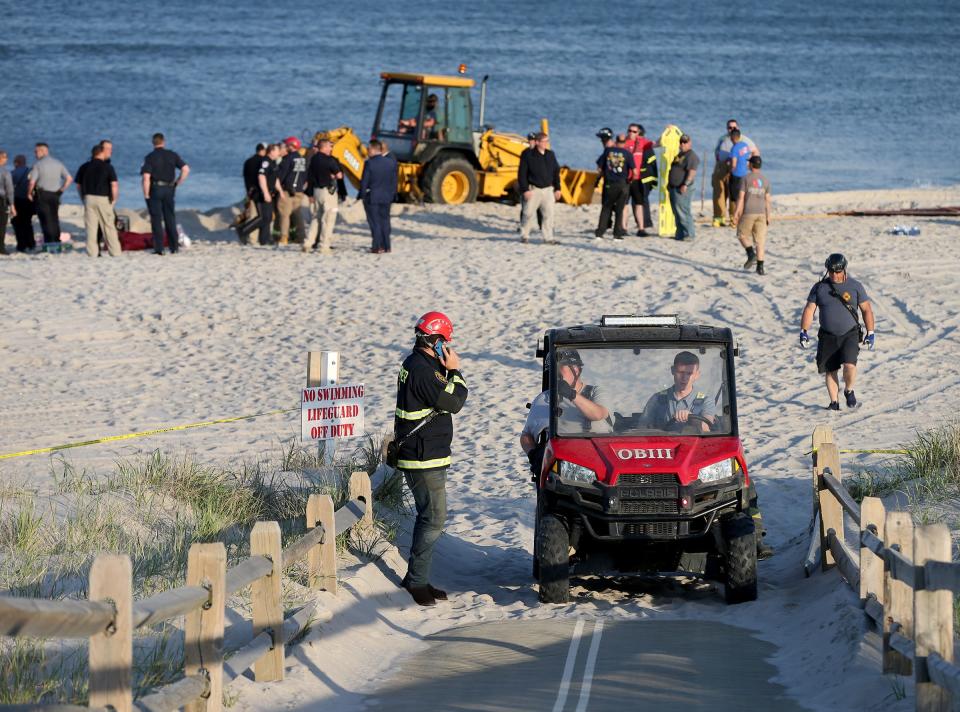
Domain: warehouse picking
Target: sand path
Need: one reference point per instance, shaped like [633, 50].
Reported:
[95, 347]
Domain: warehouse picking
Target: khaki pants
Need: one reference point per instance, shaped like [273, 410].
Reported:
[288, 205]
[541, 199]
[720, 183]
[325, 207]
[98, 213]
[752, 232]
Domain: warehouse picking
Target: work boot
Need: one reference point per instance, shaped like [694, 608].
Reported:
[422, 595]
[760, 269]
[751, 258]
[437, 593]
[284, 239]
[851, 399]
[834, 405]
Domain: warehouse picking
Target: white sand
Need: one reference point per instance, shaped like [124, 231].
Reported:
[99, 347]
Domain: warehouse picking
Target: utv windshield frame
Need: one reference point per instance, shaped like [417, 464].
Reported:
[729, 410]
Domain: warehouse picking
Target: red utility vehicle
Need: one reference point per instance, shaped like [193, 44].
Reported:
[643, 470]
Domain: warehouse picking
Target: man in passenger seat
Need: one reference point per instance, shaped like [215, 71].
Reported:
[573, 391]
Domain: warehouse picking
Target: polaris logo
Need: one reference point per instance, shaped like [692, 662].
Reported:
[645, 454]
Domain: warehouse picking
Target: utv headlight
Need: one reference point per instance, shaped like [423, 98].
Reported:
[570, 472]
[723, 470]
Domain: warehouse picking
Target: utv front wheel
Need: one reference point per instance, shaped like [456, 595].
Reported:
[554, 559]
[740, 582]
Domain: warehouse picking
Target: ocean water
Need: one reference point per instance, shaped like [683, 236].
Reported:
[837, 95]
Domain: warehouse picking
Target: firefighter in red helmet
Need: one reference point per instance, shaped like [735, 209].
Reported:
[430, 388]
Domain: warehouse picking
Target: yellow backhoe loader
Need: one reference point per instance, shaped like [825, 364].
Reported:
[427, 122]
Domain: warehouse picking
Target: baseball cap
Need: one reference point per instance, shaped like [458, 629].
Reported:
[532, 136]
[685, 138]
[605, 134]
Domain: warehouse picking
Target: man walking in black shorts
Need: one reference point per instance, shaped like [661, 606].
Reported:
[838, 297]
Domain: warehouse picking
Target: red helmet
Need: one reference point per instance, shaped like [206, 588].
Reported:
[292, 141]
[435, 322]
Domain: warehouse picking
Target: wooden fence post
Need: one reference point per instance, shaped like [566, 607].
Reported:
[932, 618]
[831, 513]
[360, 488]
[322, 559]
[871, 565]
[897, 595]
[821, 434]
[203, 627]
[267, 608]
[111, 650]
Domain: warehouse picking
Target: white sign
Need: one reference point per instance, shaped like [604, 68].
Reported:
[332, 412]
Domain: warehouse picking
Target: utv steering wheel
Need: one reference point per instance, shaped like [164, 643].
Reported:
[692, 423]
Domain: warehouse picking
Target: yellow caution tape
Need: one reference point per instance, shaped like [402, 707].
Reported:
[143, 433]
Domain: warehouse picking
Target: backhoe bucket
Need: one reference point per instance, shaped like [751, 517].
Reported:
[349, 151]
[577, 185]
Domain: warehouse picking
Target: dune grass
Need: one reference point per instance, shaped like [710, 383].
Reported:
[928, 475]
[930, 469]
[152, 506]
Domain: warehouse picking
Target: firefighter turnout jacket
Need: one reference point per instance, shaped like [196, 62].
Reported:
[424, 386]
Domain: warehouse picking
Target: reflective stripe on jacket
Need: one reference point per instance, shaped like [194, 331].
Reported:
[424, 386]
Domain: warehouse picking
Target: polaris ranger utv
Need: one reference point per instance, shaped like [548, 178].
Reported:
[643, 470]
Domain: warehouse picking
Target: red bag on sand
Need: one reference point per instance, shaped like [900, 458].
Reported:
[137, 240]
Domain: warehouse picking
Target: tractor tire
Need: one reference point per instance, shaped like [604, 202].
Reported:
[740, 564]
[450, 180]
[554, 555]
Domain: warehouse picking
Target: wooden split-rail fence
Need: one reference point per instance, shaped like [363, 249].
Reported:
[110, 615]
[904, 573]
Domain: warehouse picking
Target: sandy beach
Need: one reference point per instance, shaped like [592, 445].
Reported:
[109, 346]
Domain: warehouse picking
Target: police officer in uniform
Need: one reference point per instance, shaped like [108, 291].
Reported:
[325, 175]
[160, 181]
[680, 406]
[250, 168]
[672, 408]
[268, 186]
[579, 408]
[429, 388]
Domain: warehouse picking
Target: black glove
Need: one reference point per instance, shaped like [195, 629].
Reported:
[566, 390]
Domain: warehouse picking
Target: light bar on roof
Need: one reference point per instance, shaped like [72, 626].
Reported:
[632, 320]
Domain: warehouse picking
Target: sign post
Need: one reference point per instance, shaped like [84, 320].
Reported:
[323, 368]
[329, 410]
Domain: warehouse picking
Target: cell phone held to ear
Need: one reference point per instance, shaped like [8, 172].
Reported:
[438, 350]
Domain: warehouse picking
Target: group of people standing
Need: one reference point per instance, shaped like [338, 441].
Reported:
[293, 178]
[38, 190]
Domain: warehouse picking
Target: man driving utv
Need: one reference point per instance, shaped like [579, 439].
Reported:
[429, 388]
[680, 408]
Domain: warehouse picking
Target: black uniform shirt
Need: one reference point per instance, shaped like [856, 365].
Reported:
[267, 169]
[538, 170]
[250, 168]
[322, 170]
[81, 172]
[97, 177]
[293, 172]
[162, 165]
[616, 164]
